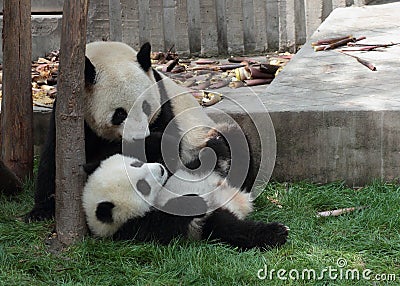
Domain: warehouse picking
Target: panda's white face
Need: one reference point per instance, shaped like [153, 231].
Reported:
[122, 97]
[119, 189]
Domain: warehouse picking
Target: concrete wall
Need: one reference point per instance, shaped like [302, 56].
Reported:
[207, 27]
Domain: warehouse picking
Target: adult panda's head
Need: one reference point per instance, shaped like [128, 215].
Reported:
[121, 188]
[116, 77]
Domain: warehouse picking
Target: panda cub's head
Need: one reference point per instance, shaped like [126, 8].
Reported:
[121, 188]
[117, 80]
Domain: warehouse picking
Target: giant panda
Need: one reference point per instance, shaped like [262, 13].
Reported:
[127, 199]
[128, 104]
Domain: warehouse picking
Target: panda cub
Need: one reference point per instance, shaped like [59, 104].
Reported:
[127, 199]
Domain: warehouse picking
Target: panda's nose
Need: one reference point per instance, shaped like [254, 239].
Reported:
[162, 171]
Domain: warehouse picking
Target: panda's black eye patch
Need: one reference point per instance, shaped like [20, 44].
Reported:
[104, 212]
[143, 187]
[137, 164]
[146, 108]
[119, 116]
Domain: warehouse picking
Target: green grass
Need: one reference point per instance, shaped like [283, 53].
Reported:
[366, 239]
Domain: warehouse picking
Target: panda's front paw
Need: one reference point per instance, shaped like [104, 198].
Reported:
[39, 214]
[275, 234]
[189, 205]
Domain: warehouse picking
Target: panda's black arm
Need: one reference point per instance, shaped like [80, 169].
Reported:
[158, 147]
[89, 168]
[45, 182]
[224, 226]
[154, 226]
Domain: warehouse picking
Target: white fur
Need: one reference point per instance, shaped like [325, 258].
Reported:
[120, 81]
[193, 122]
[114, 181]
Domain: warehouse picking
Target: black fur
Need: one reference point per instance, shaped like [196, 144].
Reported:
[160, 226]
[90, 73]
[9, 183]
[220, 226]
[156, 148]
[232, 146]
[91, 167]
[166, 113]
[119, 116]
[143, 57]
[224, 226]
[45, 182]
[154, 226]
[104, 212]
[187, 205]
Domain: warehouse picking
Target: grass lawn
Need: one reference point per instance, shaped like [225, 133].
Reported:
[366, 240]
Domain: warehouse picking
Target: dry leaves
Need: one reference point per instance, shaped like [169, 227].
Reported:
[44, 79]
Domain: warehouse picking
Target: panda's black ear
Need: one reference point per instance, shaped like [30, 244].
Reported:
[90, 73]
[143, 57]
[104, 212]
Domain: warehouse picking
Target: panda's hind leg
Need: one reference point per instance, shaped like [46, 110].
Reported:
[44, 207]
[224, 226]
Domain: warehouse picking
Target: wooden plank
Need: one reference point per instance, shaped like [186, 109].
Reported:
[283, 35]
[208, 23]
[156, 26]
[234, 19]
[194, 26]
[181, 27]
[287, 26]
[130, 23]
[114, 7]
[144, 21]
[338, 3]
[313, 16]
[272, 20]
[98, 21]
[260, 24]
[70, 135]
[249, 28]
[300, 22]
[43, 6]
[326, 9]
[16, 105]
[169, 31]
[220, 7]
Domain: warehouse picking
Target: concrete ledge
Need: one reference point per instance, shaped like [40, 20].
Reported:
[355, 146]
[334, 119]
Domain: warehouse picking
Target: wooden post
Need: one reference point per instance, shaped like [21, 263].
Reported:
[70, 144]
[115, 13]
[16, 106]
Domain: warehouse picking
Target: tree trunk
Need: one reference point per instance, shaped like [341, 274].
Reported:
[70, 141]
[16, 107]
